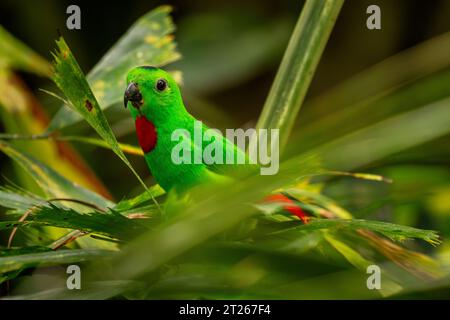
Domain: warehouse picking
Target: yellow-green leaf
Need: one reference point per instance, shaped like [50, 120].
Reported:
[70, 79]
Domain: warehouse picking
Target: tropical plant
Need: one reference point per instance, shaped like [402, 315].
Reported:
[216, 243]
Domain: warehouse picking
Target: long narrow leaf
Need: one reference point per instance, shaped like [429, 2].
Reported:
[390, 230]
[298, 66]
[71, 80]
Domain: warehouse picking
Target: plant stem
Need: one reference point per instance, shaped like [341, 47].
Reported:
[298, 66]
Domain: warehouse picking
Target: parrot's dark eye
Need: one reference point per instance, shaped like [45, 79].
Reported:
[161, 85]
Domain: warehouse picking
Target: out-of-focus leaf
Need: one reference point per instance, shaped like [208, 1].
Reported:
[16, 55]
[20, 251]
[126, 148]
[352, 256]
[22, 114]
[248, 44]
[360, 175]
[396, 71]
[71, 80]
[340, 121]
[387, 137]
[97, 290]
[52, 183]
[147, 42]
[321, 200]
[15, 262]
[14, 200]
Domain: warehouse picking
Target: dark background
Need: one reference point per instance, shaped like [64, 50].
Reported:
[352, 46]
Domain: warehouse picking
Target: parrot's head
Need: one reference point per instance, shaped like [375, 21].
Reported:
[153, 93]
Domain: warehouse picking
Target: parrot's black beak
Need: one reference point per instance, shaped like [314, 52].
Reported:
[133, 94]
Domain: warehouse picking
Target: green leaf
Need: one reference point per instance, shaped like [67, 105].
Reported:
[21, 251]
[127, 204]
[321, 200]
[298, 66]
[390, 230]
[15, 262]
[22, 114]
[15, 200]
[397, 71]
[70, 79]
[111, 223]
[340, 120]
[249, 43]
[360, 175]
[386, 137]
[52, 183]
[147, 42]
[126, 148]
[96, 290]
[352, 256]
[16, 55]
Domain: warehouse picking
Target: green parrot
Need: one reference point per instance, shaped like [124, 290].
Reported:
[156, 105]
[155, 102]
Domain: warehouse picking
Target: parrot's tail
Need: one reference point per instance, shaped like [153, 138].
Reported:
[289, 205]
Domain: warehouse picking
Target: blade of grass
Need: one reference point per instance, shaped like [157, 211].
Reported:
[299, 63]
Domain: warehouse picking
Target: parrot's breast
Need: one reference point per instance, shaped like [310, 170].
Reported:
[146, 133]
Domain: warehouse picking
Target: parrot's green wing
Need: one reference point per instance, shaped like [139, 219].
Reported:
[202, 172]
[229, 151]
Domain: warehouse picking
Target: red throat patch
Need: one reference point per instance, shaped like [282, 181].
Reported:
[146, 133]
